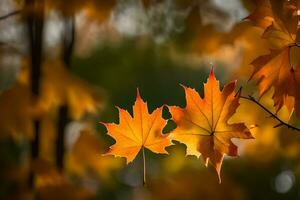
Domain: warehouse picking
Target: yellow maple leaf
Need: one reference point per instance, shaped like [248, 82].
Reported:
[143, 130]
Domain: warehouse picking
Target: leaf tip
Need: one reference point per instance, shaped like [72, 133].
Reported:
[235, 82]
[218, 170]
[219, 177]
[211, 73]
[183, 86]
[118, 107]
[103, 123]
[138, 93]
[206, 162]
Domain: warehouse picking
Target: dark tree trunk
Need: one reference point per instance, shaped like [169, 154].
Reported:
[63, 118]
[35, 24]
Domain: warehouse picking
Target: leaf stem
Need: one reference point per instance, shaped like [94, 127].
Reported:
[144, 167]
[280, 121]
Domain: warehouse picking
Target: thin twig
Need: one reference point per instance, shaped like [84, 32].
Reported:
[281, 122]
[296, 44]
[10, 14]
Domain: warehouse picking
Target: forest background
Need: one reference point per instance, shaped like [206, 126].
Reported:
[66, 64]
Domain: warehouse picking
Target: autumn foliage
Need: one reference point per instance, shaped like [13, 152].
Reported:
[200, 99]
[203, 124]
[277, 69]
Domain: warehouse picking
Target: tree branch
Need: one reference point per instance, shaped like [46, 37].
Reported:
[274, 116]
[10, 14]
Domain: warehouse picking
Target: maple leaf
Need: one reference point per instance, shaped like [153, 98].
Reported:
[268, 11]
[279, 19]
[134, 133]
[203, 124]
[262, 15]
[275, 69]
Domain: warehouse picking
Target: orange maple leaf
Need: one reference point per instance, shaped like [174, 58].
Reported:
[275, 69]
[262, 15]
[281, 16]
[141, 130]
[203, 124]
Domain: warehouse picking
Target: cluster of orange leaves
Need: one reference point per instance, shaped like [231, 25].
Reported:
[202, 126]
[279, 69]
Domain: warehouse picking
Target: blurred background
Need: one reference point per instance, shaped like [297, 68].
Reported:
[66, 64]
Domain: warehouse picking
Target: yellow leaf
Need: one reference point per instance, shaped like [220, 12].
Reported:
[141, 130]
